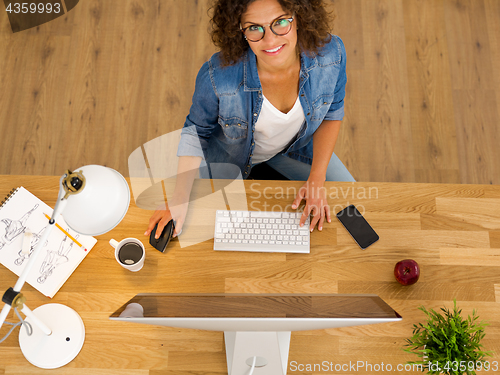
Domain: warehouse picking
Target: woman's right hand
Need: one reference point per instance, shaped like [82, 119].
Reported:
[162, 217]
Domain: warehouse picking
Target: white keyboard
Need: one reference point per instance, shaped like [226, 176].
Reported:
[261, 231]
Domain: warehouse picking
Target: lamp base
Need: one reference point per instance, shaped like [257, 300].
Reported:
[62, 346]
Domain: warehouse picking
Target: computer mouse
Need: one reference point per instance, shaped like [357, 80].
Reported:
[162, 242]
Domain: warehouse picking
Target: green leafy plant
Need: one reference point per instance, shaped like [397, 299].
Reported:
[449, 344]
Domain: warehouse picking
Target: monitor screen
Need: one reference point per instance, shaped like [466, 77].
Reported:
[253, 312]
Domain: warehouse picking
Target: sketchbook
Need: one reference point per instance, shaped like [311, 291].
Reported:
[21, 212]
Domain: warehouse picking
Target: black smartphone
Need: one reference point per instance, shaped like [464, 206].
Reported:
[357, 226]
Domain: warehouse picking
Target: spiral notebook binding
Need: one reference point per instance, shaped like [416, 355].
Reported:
[6, 199]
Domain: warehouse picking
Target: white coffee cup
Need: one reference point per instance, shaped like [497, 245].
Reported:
[129, 253]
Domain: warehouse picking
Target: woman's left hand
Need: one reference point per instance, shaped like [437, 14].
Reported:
[314, 193]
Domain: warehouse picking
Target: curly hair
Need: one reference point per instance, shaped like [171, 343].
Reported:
[312, 21]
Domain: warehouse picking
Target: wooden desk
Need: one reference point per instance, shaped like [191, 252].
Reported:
[453, 231]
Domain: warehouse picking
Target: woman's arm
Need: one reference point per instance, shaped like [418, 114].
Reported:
[198, 127]
[187, 170]
[324, 140]
[313, 191]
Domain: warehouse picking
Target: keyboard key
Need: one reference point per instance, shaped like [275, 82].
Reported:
[268, 214]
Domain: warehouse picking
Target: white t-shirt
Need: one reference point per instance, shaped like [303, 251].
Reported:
[274, 130]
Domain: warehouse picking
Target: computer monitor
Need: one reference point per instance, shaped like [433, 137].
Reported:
[256, 325]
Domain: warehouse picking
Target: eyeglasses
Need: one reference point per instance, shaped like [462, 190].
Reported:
[280, 26]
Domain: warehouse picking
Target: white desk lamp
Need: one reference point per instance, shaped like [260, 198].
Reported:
[100, 197]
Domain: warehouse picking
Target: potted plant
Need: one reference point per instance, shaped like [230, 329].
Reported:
[449, 344]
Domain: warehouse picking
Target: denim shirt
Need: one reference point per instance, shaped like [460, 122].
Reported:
[227, 102]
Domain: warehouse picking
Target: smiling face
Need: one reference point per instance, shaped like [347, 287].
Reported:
[273, 52]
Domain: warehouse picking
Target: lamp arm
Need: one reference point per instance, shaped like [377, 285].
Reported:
[58, 209]
[35, 321]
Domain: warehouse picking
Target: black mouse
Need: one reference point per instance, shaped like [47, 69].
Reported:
[161, 243]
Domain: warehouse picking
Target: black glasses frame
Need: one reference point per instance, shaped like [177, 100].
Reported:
[289, 19]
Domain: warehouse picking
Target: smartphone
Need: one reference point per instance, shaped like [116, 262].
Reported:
[357, 226]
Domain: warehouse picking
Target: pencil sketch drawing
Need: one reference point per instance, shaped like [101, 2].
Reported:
[14, 228]
[34, 240]
[53, 259]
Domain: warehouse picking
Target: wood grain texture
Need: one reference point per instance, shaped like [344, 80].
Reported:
[431, 101]
[439, 225]
[422, 101]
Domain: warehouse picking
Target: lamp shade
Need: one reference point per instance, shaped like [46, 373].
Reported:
[102, 203]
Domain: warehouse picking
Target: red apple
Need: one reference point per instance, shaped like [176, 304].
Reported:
[407, 272]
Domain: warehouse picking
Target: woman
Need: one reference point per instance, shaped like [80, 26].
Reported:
[274, 94]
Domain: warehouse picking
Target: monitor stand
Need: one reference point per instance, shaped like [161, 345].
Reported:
[270, 348]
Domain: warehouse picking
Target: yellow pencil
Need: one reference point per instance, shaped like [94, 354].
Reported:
[66, 233]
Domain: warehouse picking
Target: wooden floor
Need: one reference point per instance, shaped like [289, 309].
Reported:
[422, 104]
